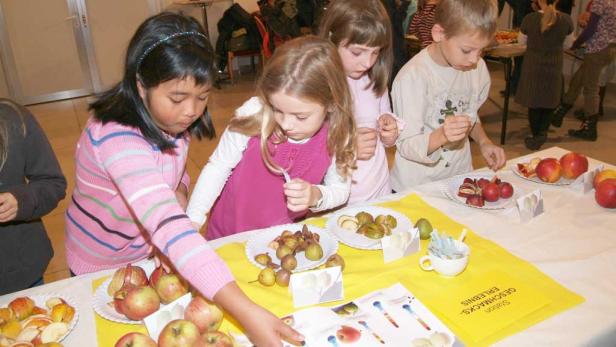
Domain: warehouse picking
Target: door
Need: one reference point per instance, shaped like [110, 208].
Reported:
[43, 55]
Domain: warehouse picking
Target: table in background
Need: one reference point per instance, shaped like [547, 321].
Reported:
[573, 242]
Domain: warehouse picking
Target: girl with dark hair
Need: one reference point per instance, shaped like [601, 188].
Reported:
[541, 79]
[131, 185]
[31, 185]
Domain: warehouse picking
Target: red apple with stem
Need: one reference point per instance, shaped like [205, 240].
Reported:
[130, 274]
[155, 275]
[549, 170]
[170, 287]
[214, 339]
[135, 339]
[206, 315]
[179, 333]
[136, 303]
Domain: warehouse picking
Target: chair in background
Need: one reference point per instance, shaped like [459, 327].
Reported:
[252, 53]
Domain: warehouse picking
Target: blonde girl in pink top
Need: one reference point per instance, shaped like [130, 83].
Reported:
[362, 32]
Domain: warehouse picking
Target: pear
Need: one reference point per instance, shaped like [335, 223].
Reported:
[282, 277]
[425, 228]
[335, 260]
[267, 277]
[263, 258]
[313, 251]
[282, 251]
[288, 262]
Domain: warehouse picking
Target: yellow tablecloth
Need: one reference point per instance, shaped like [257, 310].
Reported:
[365, 272]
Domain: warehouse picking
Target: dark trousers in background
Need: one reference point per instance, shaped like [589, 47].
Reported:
[539, 120]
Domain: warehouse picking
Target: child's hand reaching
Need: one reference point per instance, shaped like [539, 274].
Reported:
[301, 195]
[366, 143]
[388, 129]
[494, 155]
[456, 128]
[8, 207]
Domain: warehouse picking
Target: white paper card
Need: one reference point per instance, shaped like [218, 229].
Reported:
[399, 245]
[316, 286]
[173, 310]
[530, 205]
[583, 183]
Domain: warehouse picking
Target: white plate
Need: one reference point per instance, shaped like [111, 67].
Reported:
[355, 240]
[259, 244]
[561, 182]
[452, 185]
[40, 300]
[102, 299]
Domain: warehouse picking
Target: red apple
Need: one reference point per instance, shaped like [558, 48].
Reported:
[155, 275]
[179, 333]
[133, 275]
[347, 334]
[506, 190]
[22, 307]
[170, 287]
[603, 175]
[135, 340]
[136, 303]
[482, 182]
[548, 170]
[573, 164]
[605, 194]
[206, 315]
[490, 192]
[214, 339]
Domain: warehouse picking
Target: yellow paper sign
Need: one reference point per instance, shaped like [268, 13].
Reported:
[490, 303]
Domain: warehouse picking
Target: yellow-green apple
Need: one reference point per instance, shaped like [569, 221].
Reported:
[603, 175]
[62, 312]
[573, 164]
[135, 339]
[22, 307]
[214, 339]
[605, 194]
[133, 275]
[170, 287]
[6, 314]
[136, 303]
[178, 333]
[347, 334]
[206, 315]
[155, 275]
[549, 170]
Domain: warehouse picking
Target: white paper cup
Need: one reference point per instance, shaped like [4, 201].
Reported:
[446, 267]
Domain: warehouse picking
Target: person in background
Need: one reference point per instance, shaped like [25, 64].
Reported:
[288, 151]
[31, 185]
[438, 93]
[599, 36]
[361, 31]
[131, 181]
[545, 32]
[520, 8]
[423, 21]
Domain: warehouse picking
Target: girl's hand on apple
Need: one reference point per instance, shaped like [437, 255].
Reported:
[301, 195]
[8, 207]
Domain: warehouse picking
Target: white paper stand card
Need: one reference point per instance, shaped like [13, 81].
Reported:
[173, 310]
[530, 206]
[399, 245]
[316, 286]
[583, 183]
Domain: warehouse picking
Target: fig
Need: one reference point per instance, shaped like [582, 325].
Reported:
[263, 258]
[313, 251]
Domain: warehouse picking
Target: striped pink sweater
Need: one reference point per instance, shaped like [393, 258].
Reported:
[124, 196]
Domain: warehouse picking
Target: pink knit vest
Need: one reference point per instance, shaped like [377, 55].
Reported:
[253, 197]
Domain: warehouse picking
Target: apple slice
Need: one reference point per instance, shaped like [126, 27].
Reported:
[51, 302]
[28, 334]
[53, 332]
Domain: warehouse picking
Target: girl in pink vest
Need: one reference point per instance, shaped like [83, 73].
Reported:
[362, 32]
[287, 151]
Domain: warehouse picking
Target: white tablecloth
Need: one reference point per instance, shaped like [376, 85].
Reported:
[573, 242]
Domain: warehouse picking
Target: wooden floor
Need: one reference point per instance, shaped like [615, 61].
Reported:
[64, 120]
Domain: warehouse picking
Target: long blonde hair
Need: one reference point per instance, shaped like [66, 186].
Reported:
[550, 15]
[362, 22]
[5, 123]
[306, 68]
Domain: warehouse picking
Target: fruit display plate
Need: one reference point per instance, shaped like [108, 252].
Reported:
[260, 244]
[561, 182]
[39, 300]
[451, 186]
[355, 240]
[102, 299]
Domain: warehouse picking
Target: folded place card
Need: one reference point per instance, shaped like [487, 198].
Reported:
[173, 310]
[584, 182]
[530, 205]
[399, 245]
[316, 286]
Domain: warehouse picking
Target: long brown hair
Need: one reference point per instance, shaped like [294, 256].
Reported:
[5, 123]
[306, 68]
[362, 22]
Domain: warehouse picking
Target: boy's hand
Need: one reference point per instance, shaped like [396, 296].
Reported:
[388, 129]
[493, 155]
[366, 143]
[8, 207]
[301, 195]
[456, 128]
